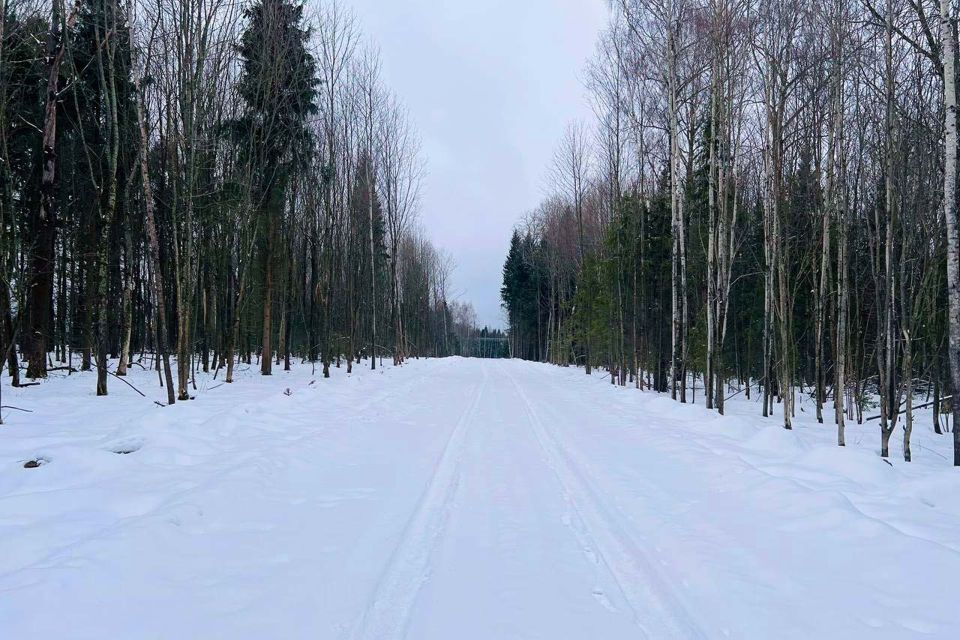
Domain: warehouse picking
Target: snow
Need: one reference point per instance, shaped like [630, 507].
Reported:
[460, 499]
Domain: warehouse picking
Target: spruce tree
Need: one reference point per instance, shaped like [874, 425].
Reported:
[279, 87]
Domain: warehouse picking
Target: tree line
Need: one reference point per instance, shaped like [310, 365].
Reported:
[765, 202]
[208, 181]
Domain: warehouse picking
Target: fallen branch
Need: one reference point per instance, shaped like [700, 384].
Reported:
[919, 406]
[734, 395]
[121, 379]
[10, 406]
[923, 448]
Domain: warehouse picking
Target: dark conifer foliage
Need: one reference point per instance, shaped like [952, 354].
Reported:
[189, 185]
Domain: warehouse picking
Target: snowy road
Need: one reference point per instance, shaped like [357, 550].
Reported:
[459, 499]
[507, 542]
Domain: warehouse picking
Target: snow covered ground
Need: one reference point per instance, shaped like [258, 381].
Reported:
[460, 499]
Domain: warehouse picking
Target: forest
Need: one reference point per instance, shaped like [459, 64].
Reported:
[186, 185]
[764, 203]
[693, 375]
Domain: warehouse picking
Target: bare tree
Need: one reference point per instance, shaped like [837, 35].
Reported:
[571, 164]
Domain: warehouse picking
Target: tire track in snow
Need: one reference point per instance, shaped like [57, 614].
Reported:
[387, 612]
[656, 608]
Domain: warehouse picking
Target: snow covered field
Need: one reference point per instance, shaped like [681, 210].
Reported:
[460, 499]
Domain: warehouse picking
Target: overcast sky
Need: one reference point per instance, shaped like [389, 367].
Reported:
[490, 84]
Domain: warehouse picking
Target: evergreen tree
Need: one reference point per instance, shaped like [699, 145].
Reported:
[279, 89]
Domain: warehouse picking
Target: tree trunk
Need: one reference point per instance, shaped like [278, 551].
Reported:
[266, 357]
[44, 228]
[950, 211]
[153, 245]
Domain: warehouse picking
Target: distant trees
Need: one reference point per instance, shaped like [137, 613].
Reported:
[209, 180]
[472, 341]
[761, 211]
